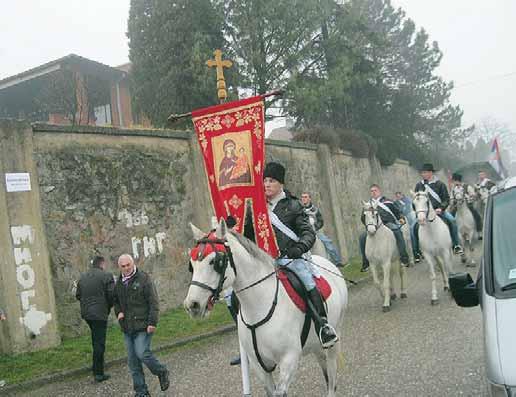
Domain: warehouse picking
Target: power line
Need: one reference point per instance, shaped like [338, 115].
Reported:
[500, 76]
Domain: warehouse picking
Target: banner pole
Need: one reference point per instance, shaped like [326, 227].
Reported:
[244, 366]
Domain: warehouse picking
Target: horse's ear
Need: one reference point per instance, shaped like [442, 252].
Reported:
[214, 223]
[197, 234]
[222, 229]
[364, 203]
[412, 193]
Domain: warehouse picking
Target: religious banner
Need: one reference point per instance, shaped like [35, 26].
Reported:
[231, 136]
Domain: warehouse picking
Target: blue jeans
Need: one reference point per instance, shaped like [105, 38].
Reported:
[302, 269]
[138, 352]
[330, 249]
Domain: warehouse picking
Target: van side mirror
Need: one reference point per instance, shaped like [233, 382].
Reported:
[464, 290]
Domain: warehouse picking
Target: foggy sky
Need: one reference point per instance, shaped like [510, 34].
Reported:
[477, 38]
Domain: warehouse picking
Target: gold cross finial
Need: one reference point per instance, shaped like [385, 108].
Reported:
[220, 65]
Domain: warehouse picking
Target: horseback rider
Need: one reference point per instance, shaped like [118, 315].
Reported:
[317, 222]
[484, 182]
[295, 236]
[440, 199]
[392, 218]
[469, 194]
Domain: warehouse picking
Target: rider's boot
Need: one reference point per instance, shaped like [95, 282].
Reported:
[325, 331]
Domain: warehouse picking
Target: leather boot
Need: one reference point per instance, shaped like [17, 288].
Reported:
[325, 331]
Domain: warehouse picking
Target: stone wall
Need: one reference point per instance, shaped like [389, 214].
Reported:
[108, 191]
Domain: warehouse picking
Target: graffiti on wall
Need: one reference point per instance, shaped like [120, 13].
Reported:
[33, 319]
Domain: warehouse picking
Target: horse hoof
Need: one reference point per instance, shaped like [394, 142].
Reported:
[403, 295]
[446, 289]
[463, 259]
[393, 297]
[434, 302]
[386, 309]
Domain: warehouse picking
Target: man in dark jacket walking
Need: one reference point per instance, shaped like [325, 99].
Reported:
[95, 292]
[137, 310]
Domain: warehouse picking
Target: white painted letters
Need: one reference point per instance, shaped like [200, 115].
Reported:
[33, 319]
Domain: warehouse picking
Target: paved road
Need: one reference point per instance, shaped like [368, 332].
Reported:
[414, 350]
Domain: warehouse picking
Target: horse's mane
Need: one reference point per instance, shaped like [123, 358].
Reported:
[252, 248]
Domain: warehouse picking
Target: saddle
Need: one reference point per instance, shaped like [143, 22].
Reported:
[297, 291]
[298, 294]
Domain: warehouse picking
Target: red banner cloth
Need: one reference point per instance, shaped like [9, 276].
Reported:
[231, 136]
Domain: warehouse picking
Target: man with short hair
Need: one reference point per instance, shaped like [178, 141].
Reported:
[95, 292]
[317, 222]
[137, 310]
[440, 199]
[392, 218]
[295, 236]
[484, 181]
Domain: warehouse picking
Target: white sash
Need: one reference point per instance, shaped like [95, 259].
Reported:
[282, 227]
[432, 192]
[386, 208]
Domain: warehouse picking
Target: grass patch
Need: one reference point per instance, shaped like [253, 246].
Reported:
[76, 352]
[352, 271]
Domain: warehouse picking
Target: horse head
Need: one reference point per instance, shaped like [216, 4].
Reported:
[372, 217]
[458, 194]
[212, 267]
[422, 206]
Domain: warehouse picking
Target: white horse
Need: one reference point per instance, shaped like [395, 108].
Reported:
[381, 250]
[264, 301]
[319, 249]
[434, 240]
[465, 220]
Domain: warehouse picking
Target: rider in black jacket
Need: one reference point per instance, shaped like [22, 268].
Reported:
[291, 218]
[440, 200]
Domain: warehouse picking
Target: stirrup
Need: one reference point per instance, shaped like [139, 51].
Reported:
[330, 343]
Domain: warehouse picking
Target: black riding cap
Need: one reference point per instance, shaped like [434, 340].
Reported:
[427, 167]
[457, 177]
[274, 171]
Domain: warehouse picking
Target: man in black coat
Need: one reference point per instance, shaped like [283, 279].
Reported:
[295, 236]
[137, 310]
[440, 199]
[95, 292]
[392, 218]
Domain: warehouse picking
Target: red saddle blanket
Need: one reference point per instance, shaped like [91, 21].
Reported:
[321, 283]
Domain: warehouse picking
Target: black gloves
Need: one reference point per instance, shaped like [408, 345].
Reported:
[294, 252]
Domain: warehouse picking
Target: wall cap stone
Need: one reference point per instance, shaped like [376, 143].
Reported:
[299, 145]
[87, 129]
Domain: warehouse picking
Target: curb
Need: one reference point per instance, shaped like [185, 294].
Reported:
[60, 376]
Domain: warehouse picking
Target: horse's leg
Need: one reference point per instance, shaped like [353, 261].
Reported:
[331, 364]
[444, 273]
[403, 278]
[386, 285]
[288, 367]
[376, 281]
[265, 377]
[431, 264]
[391, 282]
[321, 359]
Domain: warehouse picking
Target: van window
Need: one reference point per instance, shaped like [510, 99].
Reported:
[504, 240]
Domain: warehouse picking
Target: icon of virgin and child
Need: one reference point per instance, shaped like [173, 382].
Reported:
[234, 168]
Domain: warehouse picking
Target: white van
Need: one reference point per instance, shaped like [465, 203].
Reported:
[495, 289]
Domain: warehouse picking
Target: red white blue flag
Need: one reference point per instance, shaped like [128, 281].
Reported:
[496, 160]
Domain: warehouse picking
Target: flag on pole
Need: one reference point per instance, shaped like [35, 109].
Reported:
[496, 160]
[231, 136]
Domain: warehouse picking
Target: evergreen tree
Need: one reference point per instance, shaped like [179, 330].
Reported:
[169, 43]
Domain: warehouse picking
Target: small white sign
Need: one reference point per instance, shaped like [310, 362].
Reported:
[17, 182]
[512, 274]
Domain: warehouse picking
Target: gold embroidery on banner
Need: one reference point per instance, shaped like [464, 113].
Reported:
[212, 178]
[235, 201]
[242, 116]
[263, 231]
[258, 167]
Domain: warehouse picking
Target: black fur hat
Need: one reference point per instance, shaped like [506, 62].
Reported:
[275, 171]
